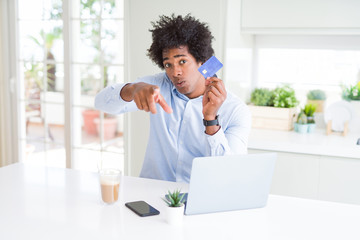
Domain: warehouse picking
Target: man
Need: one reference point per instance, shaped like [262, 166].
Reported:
[190, 116]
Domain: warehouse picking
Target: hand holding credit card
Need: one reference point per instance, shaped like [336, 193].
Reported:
[210, 67]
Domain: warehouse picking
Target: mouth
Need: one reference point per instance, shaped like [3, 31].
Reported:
[180, 83]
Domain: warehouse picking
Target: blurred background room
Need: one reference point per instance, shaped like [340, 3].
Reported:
[294, 62]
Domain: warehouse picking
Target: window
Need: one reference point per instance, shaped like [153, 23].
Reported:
[97, 49]
[308, 62]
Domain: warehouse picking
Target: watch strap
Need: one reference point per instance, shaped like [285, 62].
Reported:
[211, 122]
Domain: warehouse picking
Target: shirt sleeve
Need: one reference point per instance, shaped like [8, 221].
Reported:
[109, 100]
[233, 139]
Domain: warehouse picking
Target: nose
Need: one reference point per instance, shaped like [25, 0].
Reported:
[177, 71]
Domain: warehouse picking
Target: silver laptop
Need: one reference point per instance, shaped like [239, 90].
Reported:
[227, 183]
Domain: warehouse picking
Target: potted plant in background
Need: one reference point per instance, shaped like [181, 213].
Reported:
[175, 210]
[262, 97]
[316, 97]
[284, 97]
[89, 115]
[309, 111]
[110, 126]
[300, 125]
[352, 94]
[273, 109]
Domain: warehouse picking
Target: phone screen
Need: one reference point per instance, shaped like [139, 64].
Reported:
[142, 208]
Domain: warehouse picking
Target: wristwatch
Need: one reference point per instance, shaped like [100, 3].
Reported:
[211, 122]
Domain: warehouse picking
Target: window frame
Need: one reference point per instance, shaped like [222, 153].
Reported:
[17, 145]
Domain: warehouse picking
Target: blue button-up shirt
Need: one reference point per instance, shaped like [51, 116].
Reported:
[176, 139]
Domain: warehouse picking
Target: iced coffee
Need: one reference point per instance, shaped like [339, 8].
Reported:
[110, 185]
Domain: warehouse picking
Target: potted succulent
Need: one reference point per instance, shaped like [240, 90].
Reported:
[309, 111]
[175, 210]
[273, 109]
[316, 97]
[301, 123]
[284, 97]
[352, 94]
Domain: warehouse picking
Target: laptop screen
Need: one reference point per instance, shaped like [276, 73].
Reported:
[226, 183]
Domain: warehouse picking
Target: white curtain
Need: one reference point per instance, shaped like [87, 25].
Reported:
[2, 107]
[2, 102]
[6, 138]
[3, 145]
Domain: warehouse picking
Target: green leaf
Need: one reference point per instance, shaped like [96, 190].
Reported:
[181, 200]
[175, 198]
[166, 201]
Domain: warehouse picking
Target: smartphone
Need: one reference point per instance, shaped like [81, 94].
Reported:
[142, 208]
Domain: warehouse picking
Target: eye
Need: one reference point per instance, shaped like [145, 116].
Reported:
[167, 65]
[182, 61]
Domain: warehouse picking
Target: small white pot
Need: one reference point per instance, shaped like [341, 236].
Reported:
[174, 215]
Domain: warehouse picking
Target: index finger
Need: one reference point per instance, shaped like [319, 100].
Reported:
[151, 103]
[161, 101]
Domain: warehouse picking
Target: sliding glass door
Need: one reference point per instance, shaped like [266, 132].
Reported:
[53, 69]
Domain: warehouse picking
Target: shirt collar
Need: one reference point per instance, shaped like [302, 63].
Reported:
[179, 94]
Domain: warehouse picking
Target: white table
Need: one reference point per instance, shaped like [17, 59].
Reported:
[49, 203]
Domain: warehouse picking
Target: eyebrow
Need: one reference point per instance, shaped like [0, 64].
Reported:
[176, 56]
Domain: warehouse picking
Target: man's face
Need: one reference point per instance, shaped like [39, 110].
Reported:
[181, 67]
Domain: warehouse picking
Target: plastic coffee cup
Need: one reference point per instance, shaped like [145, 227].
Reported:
[110, 180]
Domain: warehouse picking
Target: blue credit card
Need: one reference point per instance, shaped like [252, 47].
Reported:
[210, 67]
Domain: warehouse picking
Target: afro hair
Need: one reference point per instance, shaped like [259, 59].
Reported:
[176, 31]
